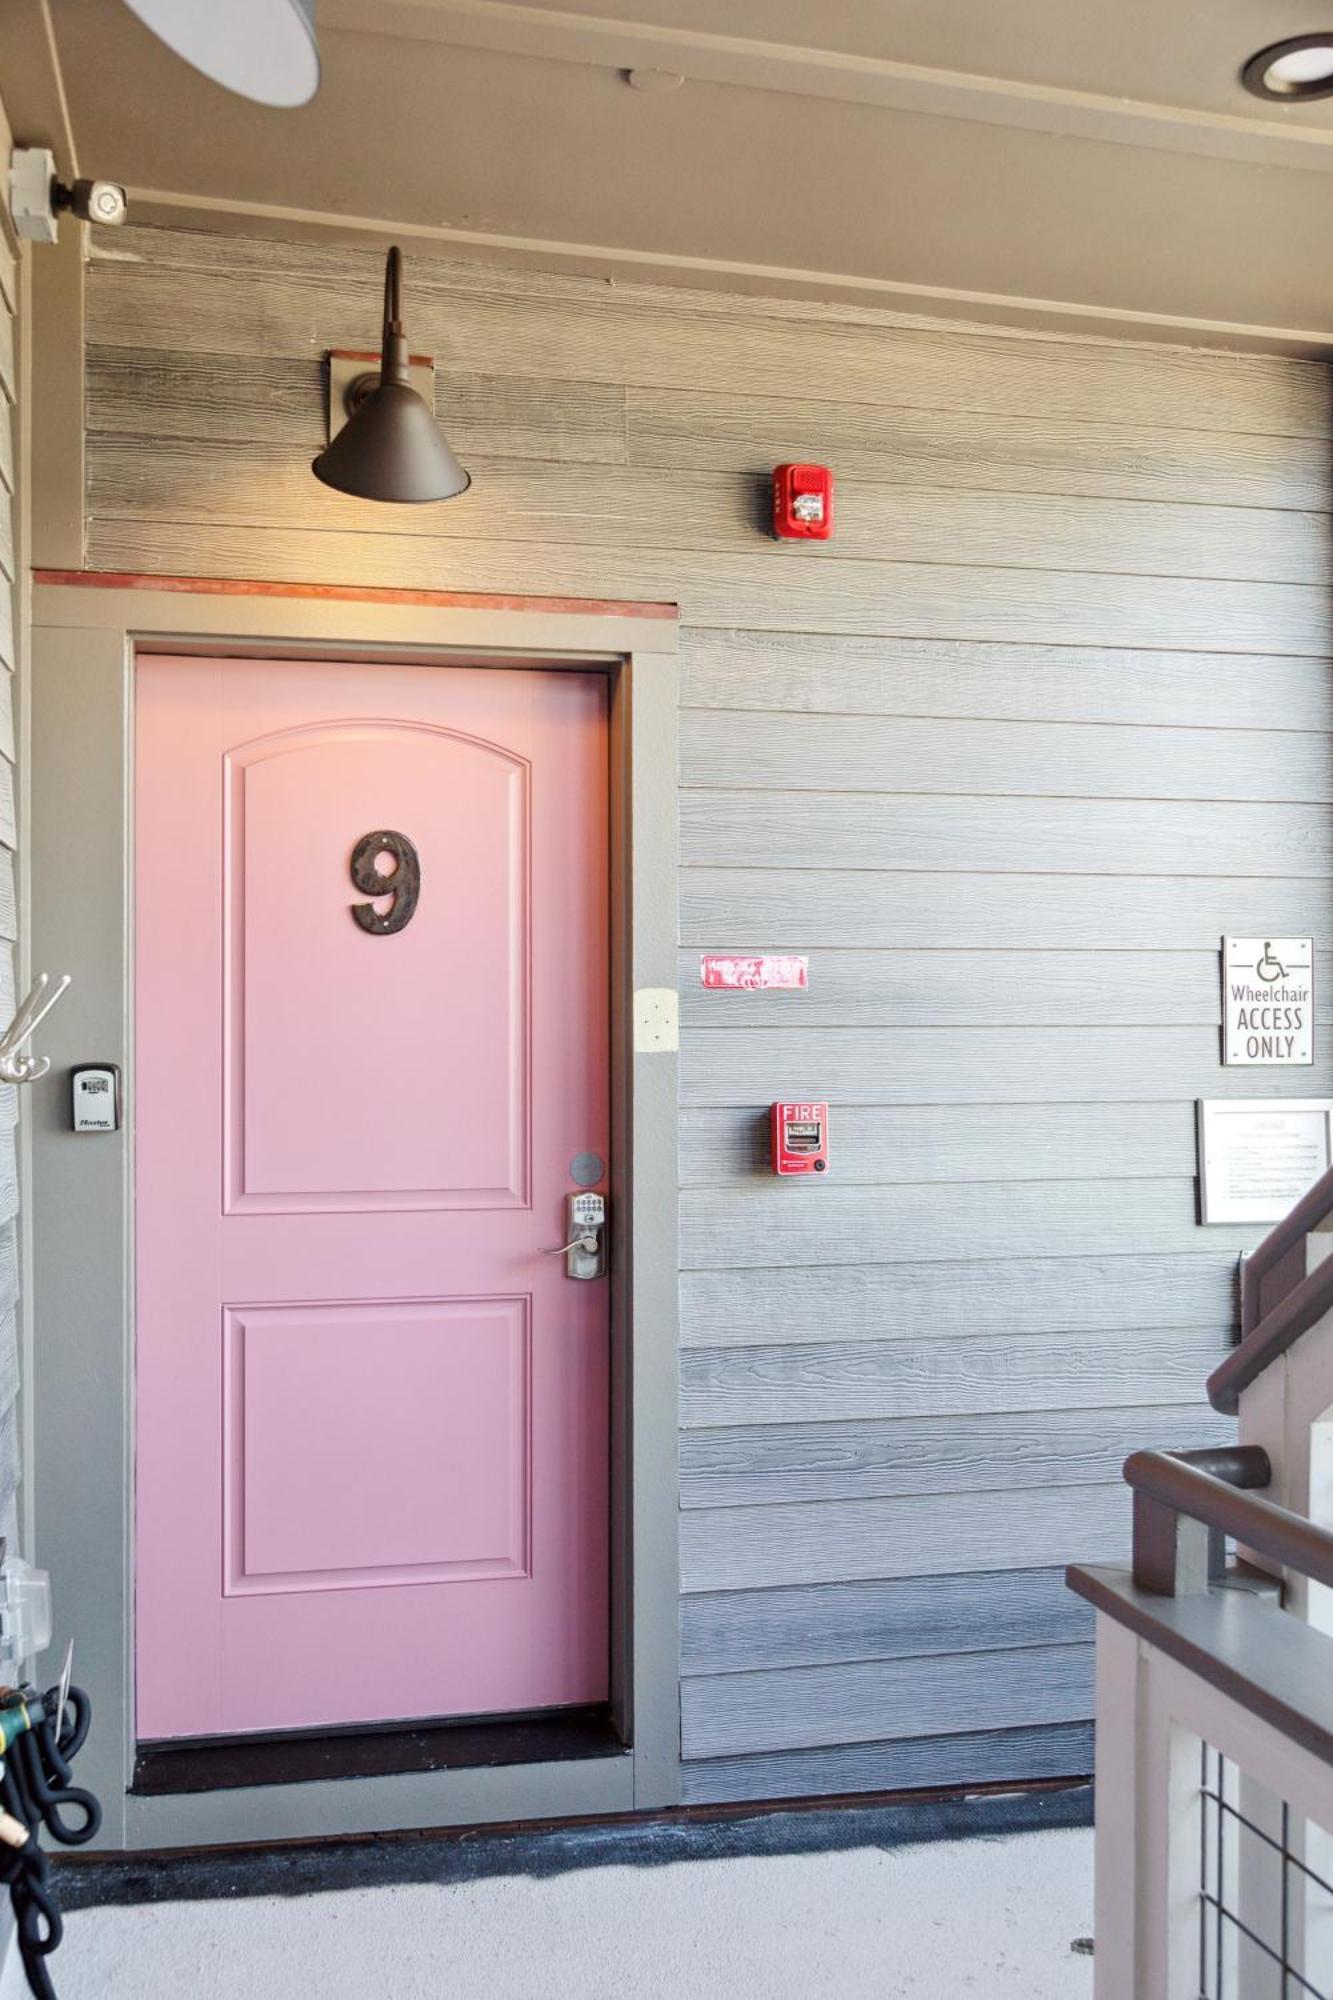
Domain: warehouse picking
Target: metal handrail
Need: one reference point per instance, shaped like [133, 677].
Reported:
[1206, 1488]
[1312, 1208]
[1276, 1668]
[1290, 1318]
[1218, 1628]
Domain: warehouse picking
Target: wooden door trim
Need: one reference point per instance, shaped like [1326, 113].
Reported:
[351, 593]
[86, 635]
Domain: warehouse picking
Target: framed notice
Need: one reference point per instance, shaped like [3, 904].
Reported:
[1258, 1155]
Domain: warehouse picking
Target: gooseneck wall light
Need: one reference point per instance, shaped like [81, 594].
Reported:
[262, 49]
[390, 448]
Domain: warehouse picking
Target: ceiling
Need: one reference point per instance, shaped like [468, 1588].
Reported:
[1057, 162]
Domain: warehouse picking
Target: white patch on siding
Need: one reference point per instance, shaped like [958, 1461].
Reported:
[656, 1020]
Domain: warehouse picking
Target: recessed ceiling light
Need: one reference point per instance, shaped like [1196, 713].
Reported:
[1293, 71]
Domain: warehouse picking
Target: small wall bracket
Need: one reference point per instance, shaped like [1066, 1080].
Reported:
[351, 373]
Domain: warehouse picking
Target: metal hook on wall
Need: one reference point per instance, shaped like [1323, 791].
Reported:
[42, 997]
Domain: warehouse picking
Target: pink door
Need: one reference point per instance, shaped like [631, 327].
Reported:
[372, 1415]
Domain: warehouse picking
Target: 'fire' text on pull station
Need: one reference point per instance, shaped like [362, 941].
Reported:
[800, 1138]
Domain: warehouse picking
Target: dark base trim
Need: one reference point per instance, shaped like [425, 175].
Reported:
[468, 1854]
[375, 1750]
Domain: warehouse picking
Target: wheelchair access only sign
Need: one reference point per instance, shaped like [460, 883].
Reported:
[1268, 1001]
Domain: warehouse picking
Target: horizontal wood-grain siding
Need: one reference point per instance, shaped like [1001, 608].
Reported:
[797, 909]
[997, 988]
[835, 753]
[9, 1266]
[778, 592]
[1050, 714]
[830, 1381]
[825, 1223]
[8, 822]
[7, 474]
[970, 1142]
[857, 828]
[8, 897]
[637, 507]
[740, 1714]
[831, 674]
[739, 1631]
[11, 1456]
[1013, 1293]
[279, 402]
[828, 1541]
[1027, 1065]
[9, 1381]
[754, 1464]
[910, 449]
[276, 401]
[1064, 1750]
[475, 319]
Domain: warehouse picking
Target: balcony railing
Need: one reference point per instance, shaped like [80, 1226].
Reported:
[1214, 1743]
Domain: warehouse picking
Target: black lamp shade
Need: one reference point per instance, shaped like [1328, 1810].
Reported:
[390, 448]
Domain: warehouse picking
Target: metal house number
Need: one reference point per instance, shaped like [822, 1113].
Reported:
[403, 884]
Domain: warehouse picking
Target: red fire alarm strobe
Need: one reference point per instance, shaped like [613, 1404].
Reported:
[802, 503]
[800, 1138]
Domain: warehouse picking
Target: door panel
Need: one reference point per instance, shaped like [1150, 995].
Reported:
[447, 1394]
[296, 1141]
[371, 1472]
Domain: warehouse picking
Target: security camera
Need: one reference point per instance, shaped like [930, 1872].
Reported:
[93, 201]
[37, 198]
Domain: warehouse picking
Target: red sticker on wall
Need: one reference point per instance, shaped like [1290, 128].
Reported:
[776, 970]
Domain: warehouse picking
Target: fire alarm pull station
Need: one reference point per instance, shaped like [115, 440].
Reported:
[95, 1097]
[800, 1138]
[802, 503]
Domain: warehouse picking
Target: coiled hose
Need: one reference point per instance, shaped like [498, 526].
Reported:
[39, 1735]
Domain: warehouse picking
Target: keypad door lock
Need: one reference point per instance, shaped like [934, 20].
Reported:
[584, 1247]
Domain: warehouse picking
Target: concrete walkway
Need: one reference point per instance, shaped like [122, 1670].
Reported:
[990, 1917]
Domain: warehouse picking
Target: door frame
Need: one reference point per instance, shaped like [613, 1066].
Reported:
[87, 631]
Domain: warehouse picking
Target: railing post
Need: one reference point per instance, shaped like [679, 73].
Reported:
[1117, 1922]
[1146, 1920]
[1174, 1556]
[1170, 1836]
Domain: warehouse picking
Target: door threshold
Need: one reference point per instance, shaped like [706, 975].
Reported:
[372, 1750]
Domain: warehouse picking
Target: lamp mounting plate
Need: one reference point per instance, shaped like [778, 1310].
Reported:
[347, 370]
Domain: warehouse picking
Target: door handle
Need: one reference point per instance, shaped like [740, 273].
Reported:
[585, 1252]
